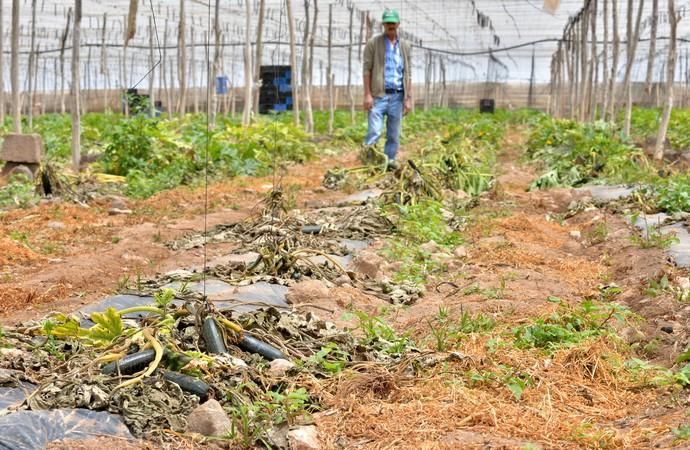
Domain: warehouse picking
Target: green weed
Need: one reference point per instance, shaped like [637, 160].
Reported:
[380, 335]
[569, 325]
[18, 193]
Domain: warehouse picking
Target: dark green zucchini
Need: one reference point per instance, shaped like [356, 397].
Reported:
[130, 364]
[187, 383]
[215, 344]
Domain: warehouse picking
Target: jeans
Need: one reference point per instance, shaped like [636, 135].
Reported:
[390, 105]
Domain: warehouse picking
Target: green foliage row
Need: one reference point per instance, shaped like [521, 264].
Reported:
[573, 154]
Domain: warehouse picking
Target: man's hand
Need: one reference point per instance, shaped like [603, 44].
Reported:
[368, 102]
[408, 105]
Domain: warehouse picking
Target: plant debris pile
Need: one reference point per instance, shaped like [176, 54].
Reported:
[154, 371]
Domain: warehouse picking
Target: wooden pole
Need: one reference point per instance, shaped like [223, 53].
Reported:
[247, 113]
[673, 19]
[427, 82]
[310, 70]
[652, 47]
[76, 114]
[193, 65]
[104, 64]
[615, 49]
[306, 91]
[350, 93]
[632, 47]
[259, 48]
[125, 82]
[14, 69]
[30, 71]
[605, 70]
[182, 61]
[593, 63]
[2, 65]
[152, 75]
[329, 72]
[293, 62]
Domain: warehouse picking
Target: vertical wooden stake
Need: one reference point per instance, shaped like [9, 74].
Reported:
[329, 72]
[2, 65]
[30, 71]
[652, 47]
[293, 62]
[182, 61]
[76, 114]
[14, 69]
[259, 48]
[673, 19]
[349, 69]
[247, 113]
[152, 75]
[633, 39]
[605, 70]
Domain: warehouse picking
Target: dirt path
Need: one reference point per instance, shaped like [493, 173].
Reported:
[61, 256]
[520, 261]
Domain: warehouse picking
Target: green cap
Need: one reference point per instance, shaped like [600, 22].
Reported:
[390, 16]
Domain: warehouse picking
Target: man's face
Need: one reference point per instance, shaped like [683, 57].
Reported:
[391, 28]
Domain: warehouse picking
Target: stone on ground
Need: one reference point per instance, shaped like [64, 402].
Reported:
[304, 438]
[22, 148]
[279, 367]
[307, 291]
[209, 419]
[368, 263]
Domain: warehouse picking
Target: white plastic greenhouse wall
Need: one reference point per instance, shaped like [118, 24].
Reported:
[497, 48]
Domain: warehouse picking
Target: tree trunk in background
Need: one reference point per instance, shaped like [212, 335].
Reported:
[30, 71]
[615, 49]
[152, 65]
[350, 93]
[329, 72]
[632, 47]
[652, 47]
[182, 62]
[306, 92]
[2, 65]
[259, 48]
[247, 114]
[293, 62]
[76, 113]
[16, 112]
[605, 70]
[673, 19]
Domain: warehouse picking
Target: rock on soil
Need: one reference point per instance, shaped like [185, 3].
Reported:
[307, 291]
[209, 419]
[304, 438]
[368, 263]
[279, 367]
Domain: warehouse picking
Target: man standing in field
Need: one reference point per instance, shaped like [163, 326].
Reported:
[387, 87]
